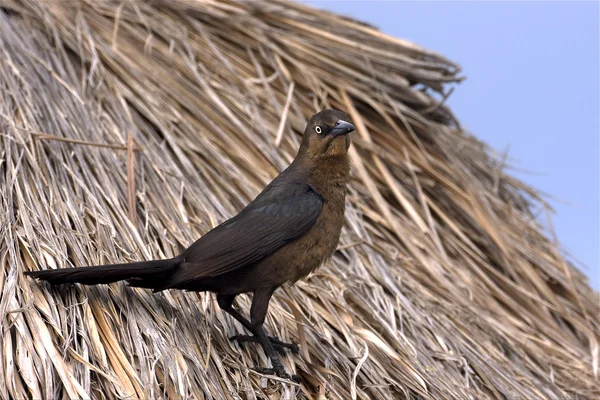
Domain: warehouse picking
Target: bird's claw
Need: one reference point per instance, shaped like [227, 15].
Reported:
[277, 344]
[277, 371]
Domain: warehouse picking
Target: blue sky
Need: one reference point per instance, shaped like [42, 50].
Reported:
[532, 85]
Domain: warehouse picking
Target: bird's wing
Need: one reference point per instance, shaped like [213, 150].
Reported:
[259, 230]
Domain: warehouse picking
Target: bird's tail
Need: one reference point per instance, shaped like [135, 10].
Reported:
[137, 272]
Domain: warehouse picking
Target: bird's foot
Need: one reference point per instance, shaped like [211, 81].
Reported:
[277, 371]
[277, 344]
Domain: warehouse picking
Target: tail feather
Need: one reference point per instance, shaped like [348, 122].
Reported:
[108, 273]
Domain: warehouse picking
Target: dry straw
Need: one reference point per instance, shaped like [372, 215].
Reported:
[130, 129]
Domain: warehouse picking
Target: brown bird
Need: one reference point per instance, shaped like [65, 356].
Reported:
[284, 234]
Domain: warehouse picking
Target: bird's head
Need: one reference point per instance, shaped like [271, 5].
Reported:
[326, 134]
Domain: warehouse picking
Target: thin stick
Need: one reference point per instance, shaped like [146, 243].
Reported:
[116, 28]
[284, 114]
[131, 178]
[45, 136]
[300, 328]
[437, 105]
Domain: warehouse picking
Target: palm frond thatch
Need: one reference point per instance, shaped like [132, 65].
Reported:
[129, 129]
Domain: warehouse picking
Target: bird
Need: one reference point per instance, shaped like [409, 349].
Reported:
[290, 229]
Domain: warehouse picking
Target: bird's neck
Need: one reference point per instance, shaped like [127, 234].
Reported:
[329, 172]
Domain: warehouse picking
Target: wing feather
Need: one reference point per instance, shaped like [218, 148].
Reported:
[263, 227]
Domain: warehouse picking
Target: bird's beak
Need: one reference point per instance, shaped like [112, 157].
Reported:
[342, 128]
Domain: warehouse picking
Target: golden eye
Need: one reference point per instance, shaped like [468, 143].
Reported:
[318, 129]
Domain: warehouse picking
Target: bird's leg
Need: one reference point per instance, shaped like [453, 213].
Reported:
[258, 312]
[226, 304]
[277, 344]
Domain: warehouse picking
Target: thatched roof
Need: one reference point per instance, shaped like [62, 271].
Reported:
[171, 116]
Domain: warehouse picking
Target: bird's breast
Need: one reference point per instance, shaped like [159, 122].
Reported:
[320, 242]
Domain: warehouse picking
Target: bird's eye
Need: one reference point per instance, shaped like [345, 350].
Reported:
[318, 129]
